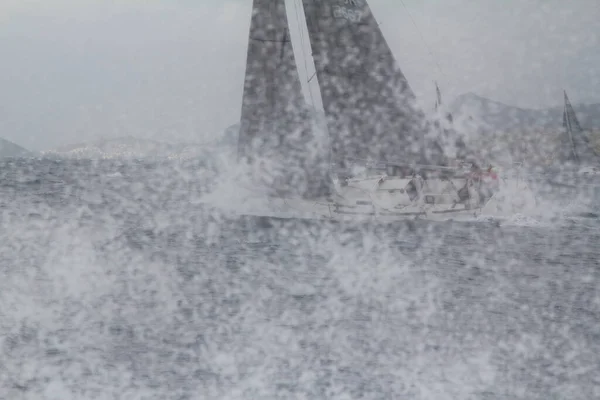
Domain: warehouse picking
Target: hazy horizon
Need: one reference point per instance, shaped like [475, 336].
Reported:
[75, 71]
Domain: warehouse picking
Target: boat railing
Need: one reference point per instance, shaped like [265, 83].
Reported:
[405, 171]
[393, 163]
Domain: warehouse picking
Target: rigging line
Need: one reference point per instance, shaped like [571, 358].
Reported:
[422, 38]
[301, 31]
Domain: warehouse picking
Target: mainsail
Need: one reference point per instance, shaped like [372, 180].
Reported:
[371, 110]
[276, 137]
[575, 147]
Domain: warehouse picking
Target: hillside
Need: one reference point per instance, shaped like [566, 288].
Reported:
[9, 149]
[497, 131]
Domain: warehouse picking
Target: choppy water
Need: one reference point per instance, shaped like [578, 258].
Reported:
[116, 285]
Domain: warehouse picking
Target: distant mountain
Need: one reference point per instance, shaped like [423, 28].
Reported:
[496, 116]
[133, 148]
[9, 149]
[506, 134]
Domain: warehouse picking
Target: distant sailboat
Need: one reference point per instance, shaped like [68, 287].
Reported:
[575, 148]
[373, 122]
[577, 166]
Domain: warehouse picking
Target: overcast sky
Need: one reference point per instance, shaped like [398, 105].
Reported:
[172, 70]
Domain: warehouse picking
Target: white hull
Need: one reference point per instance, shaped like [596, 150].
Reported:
[371, 199]
[298, 208]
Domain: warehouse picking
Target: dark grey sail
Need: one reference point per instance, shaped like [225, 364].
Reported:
[371, 110]
[575, 147]
[276, 137]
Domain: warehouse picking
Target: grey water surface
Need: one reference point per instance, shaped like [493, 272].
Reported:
[116, 284]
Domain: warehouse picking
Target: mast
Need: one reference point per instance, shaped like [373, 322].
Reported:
[276, 137]
[371, 110]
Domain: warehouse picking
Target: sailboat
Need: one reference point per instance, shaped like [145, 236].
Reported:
[574, 179]
[576, 157]
[575, 147]
[378, 156]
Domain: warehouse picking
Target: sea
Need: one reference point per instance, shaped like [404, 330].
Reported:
[117, 282]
